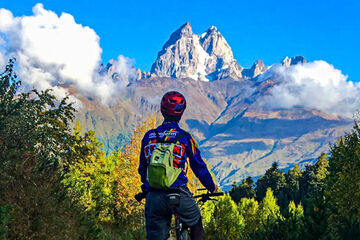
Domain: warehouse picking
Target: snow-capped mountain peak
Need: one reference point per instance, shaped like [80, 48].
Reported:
[201, 57]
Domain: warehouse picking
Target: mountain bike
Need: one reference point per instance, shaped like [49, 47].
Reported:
[181, 230]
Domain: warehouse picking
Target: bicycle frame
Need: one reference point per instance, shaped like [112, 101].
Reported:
[182, 232]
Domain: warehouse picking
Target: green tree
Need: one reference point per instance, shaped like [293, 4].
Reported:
[273, 178]
[276, 226]
[244, 190]
[269, 214]
[35, 144]
[293, 221]
[226, 222]
[207, 211]
[268, 209]
[90, 180]
[312, 181]
[317, 214]
[249, 210]
[105, 185]
[343, 184]
[292, 187]
[344, 178]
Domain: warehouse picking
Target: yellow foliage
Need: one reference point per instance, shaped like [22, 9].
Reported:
[126, 175]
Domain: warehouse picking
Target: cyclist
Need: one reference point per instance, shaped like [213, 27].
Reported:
[157, 212]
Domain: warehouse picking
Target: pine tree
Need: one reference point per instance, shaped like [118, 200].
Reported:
[274, 179]
[268, 209]
[269, 216]
[292, 188]
[317, 216]
[244, 190]
[313, 179]
[293, 221]
[343, 183]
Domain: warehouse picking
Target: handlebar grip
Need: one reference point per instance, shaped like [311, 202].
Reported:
[216, 194]
[209, 195]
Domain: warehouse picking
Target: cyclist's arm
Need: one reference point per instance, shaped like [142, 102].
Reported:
[143, 163]
[198, 165]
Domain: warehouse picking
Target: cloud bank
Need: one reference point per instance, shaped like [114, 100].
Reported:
[52, 50]
[314, 85]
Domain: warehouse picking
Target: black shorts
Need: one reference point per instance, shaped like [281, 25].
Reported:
[158, 213]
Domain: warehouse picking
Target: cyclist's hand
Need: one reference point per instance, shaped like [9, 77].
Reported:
[216, 188]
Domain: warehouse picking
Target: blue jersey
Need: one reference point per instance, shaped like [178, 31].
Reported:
[185, 149]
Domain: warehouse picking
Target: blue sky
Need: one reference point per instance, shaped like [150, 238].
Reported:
[267, 30]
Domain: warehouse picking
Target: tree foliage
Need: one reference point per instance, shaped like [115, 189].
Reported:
[249, 209]
[226, 222]
[269, 210]
[274, 179]
[244, 190]
[35, 144]
[343, 184]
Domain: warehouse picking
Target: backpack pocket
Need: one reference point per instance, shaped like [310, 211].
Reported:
[157, 176]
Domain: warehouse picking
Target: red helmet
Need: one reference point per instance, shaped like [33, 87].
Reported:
[173, 104]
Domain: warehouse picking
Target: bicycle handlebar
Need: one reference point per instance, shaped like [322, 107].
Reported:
[207, 196]
[203, 197]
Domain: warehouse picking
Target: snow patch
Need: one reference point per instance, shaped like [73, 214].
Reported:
[204, 57]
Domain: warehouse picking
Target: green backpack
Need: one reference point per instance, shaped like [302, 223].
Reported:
[161, 173]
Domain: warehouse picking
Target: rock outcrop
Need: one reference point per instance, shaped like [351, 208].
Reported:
[257, 68]
[294, 60]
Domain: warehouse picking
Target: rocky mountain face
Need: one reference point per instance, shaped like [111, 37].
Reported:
[237, 135]
[202, 57]
[256, 69]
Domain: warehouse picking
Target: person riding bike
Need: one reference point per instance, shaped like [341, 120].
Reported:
[157, 212]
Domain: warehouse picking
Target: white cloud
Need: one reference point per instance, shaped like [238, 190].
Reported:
[52, 50]
[315, 85]
[108, 86]
[124, 67]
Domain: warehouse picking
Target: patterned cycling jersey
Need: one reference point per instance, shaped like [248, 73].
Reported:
[185, 147]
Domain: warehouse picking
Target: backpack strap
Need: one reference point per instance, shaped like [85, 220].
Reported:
[186, 165]
[180, 136]
[157, 135]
